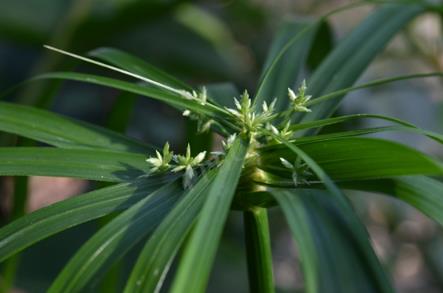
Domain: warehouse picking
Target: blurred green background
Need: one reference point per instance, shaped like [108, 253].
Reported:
[211, 42]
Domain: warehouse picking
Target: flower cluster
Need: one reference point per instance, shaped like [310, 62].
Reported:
[300, 171]
[257, 125]
[250, 121]
[176, 163]
[201, 97]
[299, 101]
[160, 163]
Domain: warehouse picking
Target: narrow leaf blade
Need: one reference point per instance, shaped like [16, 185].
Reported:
[86, 164]
[61, 131]
[50, 220]
[115, 239]
[193, 271]
[154, 260]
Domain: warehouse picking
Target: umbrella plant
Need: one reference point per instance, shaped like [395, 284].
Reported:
[273, 156]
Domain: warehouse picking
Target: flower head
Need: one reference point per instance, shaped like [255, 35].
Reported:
[187, 163]
[248, 119]
[161, 161]
[299, 100]
[300, 171]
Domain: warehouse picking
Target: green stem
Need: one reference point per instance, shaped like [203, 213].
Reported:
[258, 251]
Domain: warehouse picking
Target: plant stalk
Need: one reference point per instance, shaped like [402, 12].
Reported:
[258, 251]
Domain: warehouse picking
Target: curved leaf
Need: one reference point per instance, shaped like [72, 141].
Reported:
[87, 164]
[136, 65]
[352, 55]
[194, 268]
[115, 239]
[285, 59]
[332, 257]
[355, 228]
[340, 93]
[159, 94]
[331, 136]
[63, 132]
[154, 260]
[423, 193]
[60, 216]
[355, 158]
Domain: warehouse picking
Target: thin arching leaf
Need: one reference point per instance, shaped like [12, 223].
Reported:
[332, 257]
[423, 193]
[154, 260]
[97, 164]
[322, 45]
[170, 98]
[134, 64]
[60, 216]
[355, 228]
[63, 132]
[355, 158]
[340, 93]
[358, 132]
[284, 62]
[194, 268]
[352, 55]
[116, 239]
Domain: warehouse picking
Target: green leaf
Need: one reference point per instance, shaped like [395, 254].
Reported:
[170, 98]
[154, 260]
[331, 136]
[352, 55]
[63, 132]
[322, 45]
[284, 62]
[136, 65]
[403, 126]
[193, 271]
[378, 82]
[97, 165]
[60, 216]
[423, 193]
[355, 158]
[116, 238]
[359, 234]
[332, 256]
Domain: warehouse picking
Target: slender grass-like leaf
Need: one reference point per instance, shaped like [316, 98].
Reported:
[340, 93]
[87, 164]
[352, 55]
[331, 136]
[154, 260]
[194, 268]
[145, 79]
[423, 193]
[63, 132]
[285, 59]
[172, 99]
[60, 216]
[322, 44]
[116, 238]
[331, 254]
[136, 65]
[359, 234]
[355, 158]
